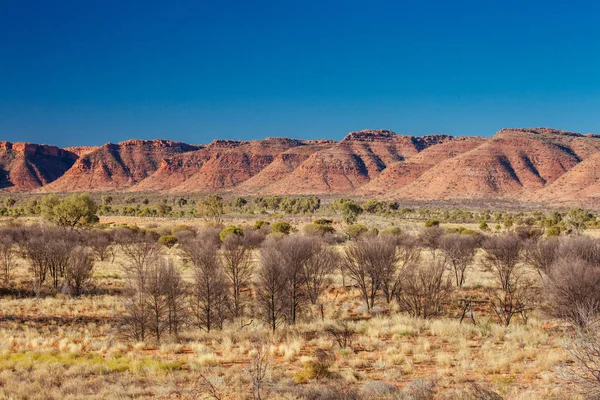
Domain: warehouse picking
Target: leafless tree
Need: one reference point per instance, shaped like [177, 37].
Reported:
[270, 287]
[368, 262]
[58, 255]
[520, 297]
[407, 253]
[317, 270]
[516, 293]
[156, 298]
[502, 257]
[79, 270]
[175, 292]
[459, 252]
[542, 253]
[101, 244]
[34, 245]
[209, 292]
[294, 253]
[238, 267]
[571, 285]
[140, 253]
[47, 250]
[424, 289]
[431, 237]
[8, 256]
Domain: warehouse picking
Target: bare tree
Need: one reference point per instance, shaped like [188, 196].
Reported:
[47, 250]
[238, 267]
[367, 261]
[34, 246]
[459, 251]
[317, 270]
[209, 292]
[407, 253]
[175, 292]
[8, 257]
[270, 287]
[571, 285]
[431, 237]
[140, 253]
[101, 244]
[80, 269]
[424, 289]
[58, 254]
[294, 252]
[516, 293]
[542, 253]
[520, 297]
[156, 298]
[502, 257]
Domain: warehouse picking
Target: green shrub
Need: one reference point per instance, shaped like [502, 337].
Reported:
[167, 240]
[258, 224]
[356, 230]
[315, 229]
[323, 221]
[553, 231]
[393, 231]
[230, 230]
[281, 227]
[431, 222]
[484, 226]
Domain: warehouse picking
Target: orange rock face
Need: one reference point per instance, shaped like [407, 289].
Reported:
[28, 166]
[535, 164]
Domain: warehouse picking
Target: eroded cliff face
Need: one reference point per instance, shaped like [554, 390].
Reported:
[518, 163]
[29, 166]
[117, 166]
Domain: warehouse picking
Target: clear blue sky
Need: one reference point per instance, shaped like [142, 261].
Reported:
[88, 72]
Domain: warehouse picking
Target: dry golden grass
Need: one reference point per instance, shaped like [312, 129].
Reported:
[61, 348]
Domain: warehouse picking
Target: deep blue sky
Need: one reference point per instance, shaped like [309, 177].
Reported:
[87, 72]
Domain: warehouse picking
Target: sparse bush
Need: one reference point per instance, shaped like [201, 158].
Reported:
[424, 289]
[79, 271]
[572, 285]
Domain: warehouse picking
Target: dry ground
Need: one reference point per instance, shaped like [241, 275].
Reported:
[60, 348]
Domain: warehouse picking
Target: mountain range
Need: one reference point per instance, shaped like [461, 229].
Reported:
[525, 164]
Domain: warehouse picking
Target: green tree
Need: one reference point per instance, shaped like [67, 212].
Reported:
[211, 208]
[577, 219]
[349, 209]
[73, 211]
